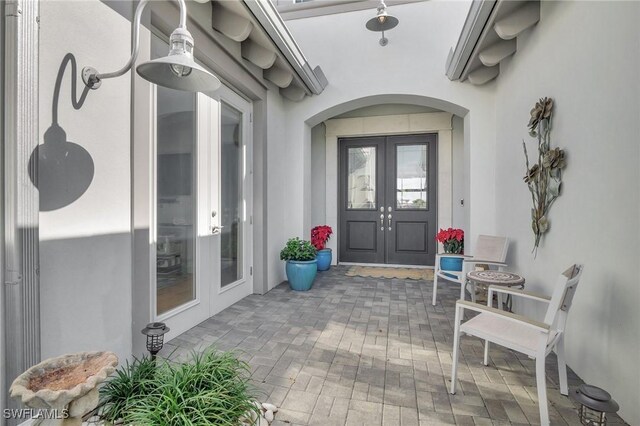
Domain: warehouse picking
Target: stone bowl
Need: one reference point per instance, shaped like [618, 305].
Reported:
[68, 382]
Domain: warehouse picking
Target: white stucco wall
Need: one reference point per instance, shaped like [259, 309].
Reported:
[278, 180]
[85, 249]
[585, 56]
[318, 174]
[458, 173]
[409, 70]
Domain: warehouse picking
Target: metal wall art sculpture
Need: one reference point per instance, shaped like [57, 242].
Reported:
[544, 177]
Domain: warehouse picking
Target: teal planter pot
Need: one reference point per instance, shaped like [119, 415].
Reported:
[324, 259]
[451, 264]
[301, 274]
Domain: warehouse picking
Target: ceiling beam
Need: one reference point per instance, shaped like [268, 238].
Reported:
[477, 17]
[294, 93]
[525, 17]
[495, 53]
[278, 76]
[266, 14]
[257, 54]
[483, 75]
[232, 25]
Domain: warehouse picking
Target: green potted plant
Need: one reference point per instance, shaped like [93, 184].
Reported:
[319, 237]
[302, 265]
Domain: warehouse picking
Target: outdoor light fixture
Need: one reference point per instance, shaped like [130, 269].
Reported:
[595, 403]
[178, 70]
[155, 332]
[382, 22]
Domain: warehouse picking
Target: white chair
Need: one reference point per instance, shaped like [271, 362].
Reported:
[533, 338]
[489, 250]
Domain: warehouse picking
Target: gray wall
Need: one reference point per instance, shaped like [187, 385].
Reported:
[459, 173]
[596, 219]
[85, 248]
[278, 178]
[318, 174]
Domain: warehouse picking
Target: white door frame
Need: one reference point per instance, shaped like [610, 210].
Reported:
[186, 316]
[223, 297]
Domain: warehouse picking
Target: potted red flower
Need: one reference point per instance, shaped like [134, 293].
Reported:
[453, 241]
[319, 237]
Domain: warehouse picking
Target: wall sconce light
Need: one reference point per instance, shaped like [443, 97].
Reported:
[155, 332]
[595, 403]
[178, 70]
[382, 22]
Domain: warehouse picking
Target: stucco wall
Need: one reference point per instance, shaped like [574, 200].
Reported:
[585, 56]
[318, 174]
[408, 71]
[458, 173]
[278, 179]
[85, 249]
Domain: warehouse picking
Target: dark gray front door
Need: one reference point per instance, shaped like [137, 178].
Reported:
[388, 199]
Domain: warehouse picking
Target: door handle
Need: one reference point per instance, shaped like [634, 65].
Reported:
[382, 221]
[389, 217]
[216, 229]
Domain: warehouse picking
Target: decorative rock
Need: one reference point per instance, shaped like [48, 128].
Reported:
[269, 407]
[269, 416]
[264, 422]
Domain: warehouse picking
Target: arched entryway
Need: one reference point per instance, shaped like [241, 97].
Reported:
[418, 145]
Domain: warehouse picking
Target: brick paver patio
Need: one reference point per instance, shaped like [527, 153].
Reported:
[368, 351]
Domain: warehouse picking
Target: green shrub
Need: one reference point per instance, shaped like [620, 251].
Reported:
[212, 389]
[298, 250]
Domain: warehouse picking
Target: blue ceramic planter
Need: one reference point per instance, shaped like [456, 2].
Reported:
[301, 274]
[451, 264]
[324, 259]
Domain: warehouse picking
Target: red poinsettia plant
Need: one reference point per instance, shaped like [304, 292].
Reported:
[452, 239]
[320, 235]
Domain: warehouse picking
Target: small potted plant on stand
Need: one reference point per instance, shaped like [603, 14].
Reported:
[319, 237]
[302, 265]
[453, 241]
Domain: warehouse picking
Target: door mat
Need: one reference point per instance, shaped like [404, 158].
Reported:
[384, 272]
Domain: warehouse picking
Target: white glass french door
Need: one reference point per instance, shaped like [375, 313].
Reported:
[232, 218]
[185, 136]
[201, 247]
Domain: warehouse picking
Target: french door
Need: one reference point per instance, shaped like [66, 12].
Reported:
[387, 193]
[201, 218]
[231, 215]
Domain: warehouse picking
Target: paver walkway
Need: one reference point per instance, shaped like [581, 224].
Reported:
[369, 351]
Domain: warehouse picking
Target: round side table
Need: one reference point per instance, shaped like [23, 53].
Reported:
[484, 279]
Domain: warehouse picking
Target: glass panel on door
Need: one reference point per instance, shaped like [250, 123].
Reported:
[411, 177]
[232, 198]
[361, 179]
[176, 198]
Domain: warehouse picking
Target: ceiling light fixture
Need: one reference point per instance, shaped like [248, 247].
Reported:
[178, 70]
[382, 22]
